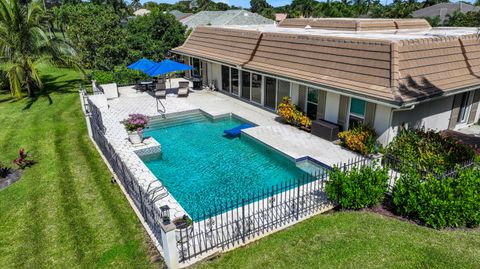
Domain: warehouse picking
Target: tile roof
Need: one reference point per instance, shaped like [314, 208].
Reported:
[443, 10]
[228, 17]
[179, 15]
[397, 67]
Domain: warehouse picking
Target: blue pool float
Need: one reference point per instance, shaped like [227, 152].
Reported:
[234, 132]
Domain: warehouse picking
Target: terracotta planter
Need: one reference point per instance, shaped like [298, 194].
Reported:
[136, 137]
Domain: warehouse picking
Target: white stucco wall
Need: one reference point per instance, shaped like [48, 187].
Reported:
[381, 123]
[294, 92]
[215, 73]
[433, 115]
[331, 107]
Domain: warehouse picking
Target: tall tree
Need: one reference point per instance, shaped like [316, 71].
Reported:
[257, 6]
[24, 44]
[153, 35]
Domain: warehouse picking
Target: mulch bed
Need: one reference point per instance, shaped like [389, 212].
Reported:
[14, 176]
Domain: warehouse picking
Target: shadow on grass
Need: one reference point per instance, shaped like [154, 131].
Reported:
[58, 83]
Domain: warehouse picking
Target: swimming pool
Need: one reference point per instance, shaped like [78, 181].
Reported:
[200, 167]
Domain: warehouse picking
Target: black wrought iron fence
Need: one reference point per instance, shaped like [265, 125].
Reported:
[143, 199]
[234, 222]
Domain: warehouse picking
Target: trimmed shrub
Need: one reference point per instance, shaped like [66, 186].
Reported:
[429, 151]
[4, 170]
[120, 75]
[358, 188]
[439, 203]
[360, 139]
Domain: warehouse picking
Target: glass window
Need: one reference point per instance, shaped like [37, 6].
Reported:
[312, 103]
[270, 92]
[246, 85]
[225, 78]
[357, 107]
[462, 114]
[234, 82]
[283, 90]
[256, 88]
[196, 66]
[357, 112]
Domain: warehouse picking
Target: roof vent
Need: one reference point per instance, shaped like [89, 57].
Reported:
[308, 27]
[245, 14]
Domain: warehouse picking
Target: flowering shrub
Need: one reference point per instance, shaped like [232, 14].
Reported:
[360, 139]
[24, 159]
[429, 150]
[135, 122]
[289, 113]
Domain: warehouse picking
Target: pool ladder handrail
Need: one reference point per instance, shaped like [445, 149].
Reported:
[162, 112]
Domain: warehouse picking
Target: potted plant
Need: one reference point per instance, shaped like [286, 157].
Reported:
[134, 124]
[184, 228]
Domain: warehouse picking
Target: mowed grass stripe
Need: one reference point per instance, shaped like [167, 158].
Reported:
[57, 215]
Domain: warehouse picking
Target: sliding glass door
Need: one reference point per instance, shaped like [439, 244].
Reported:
[270, 92]
[235, 84]
[283, 90]
[246, 85]
[225, 78]
[312, 103]
[256, 88]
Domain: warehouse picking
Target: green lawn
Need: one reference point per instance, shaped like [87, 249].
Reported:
[357, 240]
[64, 212]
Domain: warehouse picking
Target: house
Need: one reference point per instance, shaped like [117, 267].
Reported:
[387, 73]
[141, 12]
[223, 18]
[444, 10]
[280, 16]
[179, 15]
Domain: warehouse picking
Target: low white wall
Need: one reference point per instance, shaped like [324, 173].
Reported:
[331, 107]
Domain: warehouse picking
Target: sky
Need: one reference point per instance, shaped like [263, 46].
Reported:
[246, 3]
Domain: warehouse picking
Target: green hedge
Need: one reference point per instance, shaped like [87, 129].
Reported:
[357, 189]
[429, 151]
[439, 203]
[120, 75]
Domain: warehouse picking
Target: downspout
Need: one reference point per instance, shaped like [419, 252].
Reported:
[391, 117]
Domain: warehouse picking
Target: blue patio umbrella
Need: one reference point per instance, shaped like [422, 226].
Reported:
[165, 67]
[142, 65]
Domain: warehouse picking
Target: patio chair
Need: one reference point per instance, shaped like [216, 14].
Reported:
[160, 90]
[183, 88]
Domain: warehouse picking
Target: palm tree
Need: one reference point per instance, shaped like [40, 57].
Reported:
[25, 44]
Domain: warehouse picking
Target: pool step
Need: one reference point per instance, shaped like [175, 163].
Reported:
[176, 120]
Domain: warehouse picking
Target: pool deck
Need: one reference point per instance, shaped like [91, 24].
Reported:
[288, 140]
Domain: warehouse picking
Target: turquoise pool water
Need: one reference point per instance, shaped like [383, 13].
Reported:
[200, 167]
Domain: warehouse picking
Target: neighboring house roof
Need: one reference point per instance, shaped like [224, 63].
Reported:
[179, 15]
[443, 10]
[221, 18]
[400, 66]
[280, 16]
[141, 12]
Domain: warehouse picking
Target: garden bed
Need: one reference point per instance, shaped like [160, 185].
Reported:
[12, 177]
